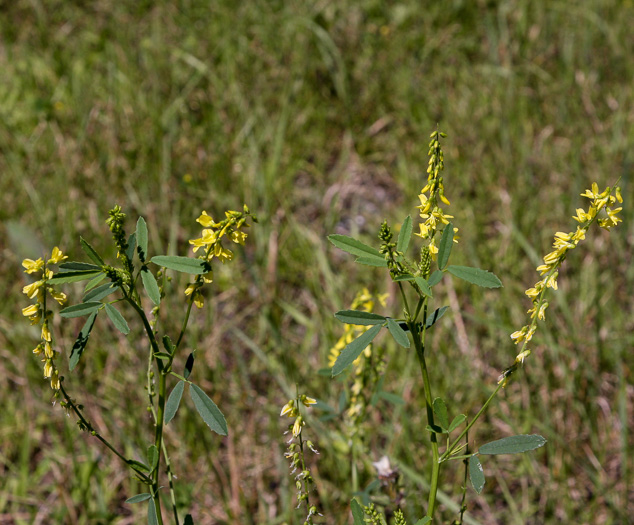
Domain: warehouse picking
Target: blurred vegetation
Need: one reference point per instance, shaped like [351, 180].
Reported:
[317, 115]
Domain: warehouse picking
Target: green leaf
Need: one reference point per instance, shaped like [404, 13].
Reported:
[391, 398]
[438, 313]
[188, 520]
[90, 252]
[138, 466]
[379, 262]
[72, 277]
[182, 264]
[476, 473]
[94, 282]
[152, 457]
[444, 248]
[357, 513]
[97, 294]
[359, 317]
[423, 285]
[82, 340]
[117, 319]
[398, 333]
[440, 409]
[131, 246]
[475, 276]
[189, 365]
[435, 278]
[151, 286]
[404, 277]
[174, 401]
[354, 247]
[354, 349]
[163, 356]
[168, 345]
[152, 519]
[208, 410]
[141, 239]
[457, 421]
[79, 310]
[436, 429]
[138, 498]
[81, 266]
[423, 521]
[513, 445]
[404, 235]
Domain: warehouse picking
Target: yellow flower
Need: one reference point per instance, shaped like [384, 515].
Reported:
[205, 220]
[31, 310]
[33, 266]
[60, 297]
[521, 356]
[297, 426]
[57, 256]
[32, 289]
[307, 401]
[287, 409]
[238, 237]
[222, 253]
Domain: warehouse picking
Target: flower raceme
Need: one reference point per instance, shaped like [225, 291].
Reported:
[38, 313]
[210, 241]
[563, 243]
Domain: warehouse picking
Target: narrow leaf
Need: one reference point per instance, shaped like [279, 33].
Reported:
[357, 513]
[423, 285]
[138, 466]
[182, 264]
[79, 310]
[475, 276]
[168, 345]
[164, 356]
[404, 235]
[80, 343]
[398, 333]
[173, 401]
[97, 294]
[131, 246]
[440, 409]
[189, 365]
[359, 317]
[444, 249]
[141, 238]
[354, 349]
[151, 513]
[94, 282]
[81, 266]
[151, 286]
[476, 474]
[208, 410]
[436, 429]
[423, 521]
[513, 444]
[435, 278]
[152, 457]
[139, 497]
[457, 421]
[72, 277]
[438, 313]
[378, 262]
[117, 319]
[350, 245]
[90, 252]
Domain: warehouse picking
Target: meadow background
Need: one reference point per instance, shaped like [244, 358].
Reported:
[317, 115]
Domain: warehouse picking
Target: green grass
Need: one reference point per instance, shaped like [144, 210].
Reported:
[318, 117]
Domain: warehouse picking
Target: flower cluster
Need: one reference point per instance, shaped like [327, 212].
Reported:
[430, 211]
[295, 452]
[210, 241]
[38, 314]
[563, 243]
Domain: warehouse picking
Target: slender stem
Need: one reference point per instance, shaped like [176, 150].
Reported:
[453, 447]
[170, 477]
[88, 426]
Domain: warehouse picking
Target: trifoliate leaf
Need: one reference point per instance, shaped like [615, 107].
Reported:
[398, 333]
[151, 286]
[208, 410]
[173, 401]
[117, 319]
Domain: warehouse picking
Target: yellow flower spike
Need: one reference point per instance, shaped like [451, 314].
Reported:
[57, 256]
[31, 311]
[32, 266]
